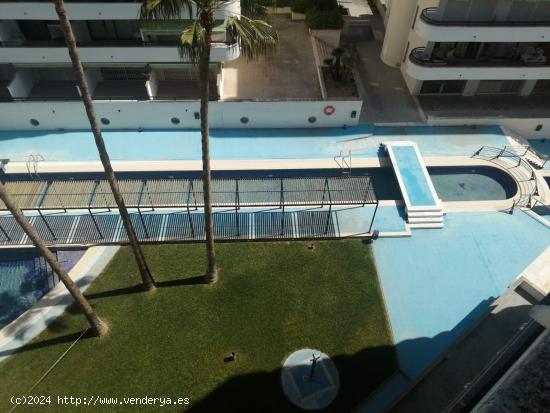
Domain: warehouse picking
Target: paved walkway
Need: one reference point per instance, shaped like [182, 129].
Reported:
[385, 95]
[289, 74]
[104, 228]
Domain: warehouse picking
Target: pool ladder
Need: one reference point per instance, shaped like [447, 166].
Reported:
[32, 165]
[344, 162]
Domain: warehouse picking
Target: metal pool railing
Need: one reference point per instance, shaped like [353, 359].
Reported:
[525, 174]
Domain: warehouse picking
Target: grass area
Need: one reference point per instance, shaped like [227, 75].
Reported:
[273, 298]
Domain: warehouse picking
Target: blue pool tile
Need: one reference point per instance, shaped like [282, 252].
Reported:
[437, 282]
[236, 144]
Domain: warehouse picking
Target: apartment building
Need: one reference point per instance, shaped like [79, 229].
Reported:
[125, 59]
[470, 47]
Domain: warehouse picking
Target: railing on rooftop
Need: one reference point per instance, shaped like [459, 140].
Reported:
[430, 15]
[419, 57]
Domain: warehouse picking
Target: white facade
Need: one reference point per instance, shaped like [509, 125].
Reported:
[32, 10]
[470, 47]
[123, 58]
[177, 115]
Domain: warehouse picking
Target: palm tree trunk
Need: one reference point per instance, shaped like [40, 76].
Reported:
[207, 21]
[146, 277]
[98, 326]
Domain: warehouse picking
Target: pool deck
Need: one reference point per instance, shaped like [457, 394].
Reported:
[53, 304]
[435, 283]
[246, 144]
[477, 254]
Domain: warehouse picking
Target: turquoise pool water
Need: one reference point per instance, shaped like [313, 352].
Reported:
[480, 183]
[25, 278]
[415, 182]
[458, 183]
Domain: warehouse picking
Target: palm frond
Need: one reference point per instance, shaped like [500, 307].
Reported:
[253, 9]
[165, 9]
[192, 42]
[256, 37]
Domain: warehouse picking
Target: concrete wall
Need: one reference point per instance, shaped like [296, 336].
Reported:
[9, 31]
[93, 76]
[158, 114]
[524, 127]
[399, 21]
[21, 84]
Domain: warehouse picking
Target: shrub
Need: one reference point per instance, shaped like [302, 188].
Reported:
[326, 5]
[301, 6]
[320, 19]
[275, 3]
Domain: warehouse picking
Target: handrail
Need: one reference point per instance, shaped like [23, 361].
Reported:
[529, 149]
[418, 57]
[504, 153]
[425, 16]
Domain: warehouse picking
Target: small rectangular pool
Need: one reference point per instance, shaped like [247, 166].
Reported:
[412, 174]
[25, 278]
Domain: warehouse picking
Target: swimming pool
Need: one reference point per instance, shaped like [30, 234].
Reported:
[457, 183]
[25, 278]
[479, 183]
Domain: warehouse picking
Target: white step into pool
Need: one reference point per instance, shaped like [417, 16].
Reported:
[423, 206]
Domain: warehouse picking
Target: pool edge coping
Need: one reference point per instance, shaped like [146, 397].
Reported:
[37, 318]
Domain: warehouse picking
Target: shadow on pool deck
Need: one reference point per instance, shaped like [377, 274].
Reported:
[464, 360]
[361, 373]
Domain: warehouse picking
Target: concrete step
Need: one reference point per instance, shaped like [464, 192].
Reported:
[414, 220]
[426, 225]
[426, 214]
[430, 210]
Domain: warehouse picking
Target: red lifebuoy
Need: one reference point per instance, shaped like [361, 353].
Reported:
[329, 110]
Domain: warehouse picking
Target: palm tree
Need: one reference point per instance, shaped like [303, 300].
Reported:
[254, 37]
[98, 326]
[146, 277]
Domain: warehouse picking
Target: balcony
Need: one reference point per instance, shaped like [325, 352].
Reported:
[422, 65]
[105, 84]
[117, 51]
[431, 27]
[91, 10]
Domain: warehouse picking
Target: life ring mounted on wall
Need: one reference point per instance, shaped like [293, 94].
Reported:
[329, 110]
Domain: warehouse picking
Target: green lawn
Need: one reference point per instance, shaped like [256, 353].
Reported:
[273, 298]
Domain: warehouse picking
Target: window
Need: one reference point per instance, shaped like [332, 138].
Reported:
[448, 87]
[499, 86]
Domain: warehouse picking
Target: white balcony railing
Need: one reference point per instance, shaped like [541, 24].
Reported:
[101, 52]
[430, 27]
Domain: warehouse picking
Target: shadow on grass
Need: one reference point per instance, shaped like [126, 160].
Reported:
[367, 371]
[64, 339]
[359, 374]
[138, 288]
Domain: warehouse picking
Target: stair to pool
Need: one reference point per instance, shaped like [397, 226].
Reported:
[422, 205]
